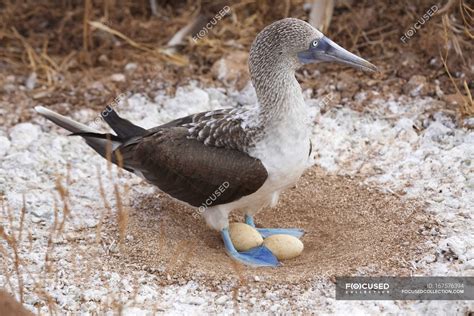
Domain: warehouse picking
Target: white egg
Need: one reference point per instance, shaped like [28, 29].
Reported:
[284, 246]
[244, 237]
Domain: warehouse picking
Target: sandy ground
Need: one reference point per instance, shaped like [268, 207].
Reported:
[389, 195]
[348, 227]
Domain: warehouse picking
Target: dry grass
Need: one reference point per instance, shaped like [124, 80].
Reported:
[15, 264]
[13, 246]
[455, 35]
[75, 43]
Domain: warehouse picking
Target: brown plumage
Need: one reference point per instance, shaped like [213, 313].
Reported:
[190, 172]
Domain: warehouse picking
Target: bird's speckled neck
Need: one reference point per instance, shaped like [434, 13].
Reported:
[280, 96]
[272, 64]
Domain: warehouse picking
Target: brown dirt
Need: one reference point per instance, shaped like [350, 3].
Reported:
[349, 228]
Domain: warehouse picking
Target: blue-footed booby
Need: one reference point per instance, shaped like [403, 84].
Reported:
[257, 151]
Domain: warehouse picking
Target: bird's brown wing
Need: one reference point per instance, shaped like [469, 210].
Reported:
[191, 171]
[218, 128]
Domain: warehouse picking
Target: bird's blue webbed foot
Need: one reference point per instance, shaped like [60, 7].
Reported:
[266, 232]
[259, 256]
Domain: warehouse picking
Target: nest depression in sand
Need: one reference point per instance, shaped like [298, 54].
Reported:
[349, 227]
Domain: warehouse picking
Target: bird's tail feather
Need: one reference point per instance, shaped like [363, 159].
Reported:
[100, 142]
[64, 122]
[124, 128]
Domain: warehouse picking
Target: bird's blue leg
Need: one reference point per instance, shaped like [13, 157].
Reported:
[258, 257]
[266, 232]
[249, 220]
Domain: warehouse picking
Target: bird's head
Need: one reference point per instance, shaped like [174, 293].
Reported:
[292, 43]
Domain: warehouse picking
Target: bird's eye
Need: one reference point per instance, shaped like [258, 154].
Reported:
[314, 43]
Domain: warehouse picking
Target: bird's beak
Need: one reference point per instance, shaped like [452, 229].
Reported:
[328, 51]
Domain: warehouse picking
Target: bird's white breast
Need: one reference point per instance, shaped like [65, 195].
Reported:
[284, 151]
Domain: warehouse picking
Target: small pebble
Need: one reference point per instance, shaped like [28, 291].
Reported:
[9, 87]
[430, 259]
[117, 77]
[221, 300]
[4, 145]
[97, 85]
[130, 67]
[23, 134]
[193, 300]
[469, 123]
[103, 59]
[31, 81]
[274, 308]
